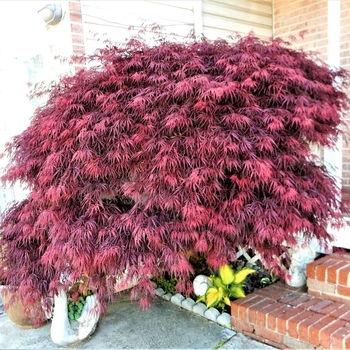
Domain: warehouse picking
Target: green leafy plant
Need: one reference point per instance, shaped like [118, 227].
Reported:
[227, 285]
[168, 283]
[200, 265]
[272, 278]
[77, 295]
[75, 308]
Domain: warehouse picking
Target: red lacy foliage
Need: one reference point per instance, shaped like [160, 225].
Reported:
[161, 151]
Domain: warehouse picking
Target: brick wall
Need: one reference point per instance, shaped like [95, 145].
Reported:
[67, 37]
[345, 34]
[294, 16]
[76, 25]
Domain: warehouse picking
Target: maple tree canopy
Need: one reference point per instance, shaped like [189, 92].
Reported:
[157, 152]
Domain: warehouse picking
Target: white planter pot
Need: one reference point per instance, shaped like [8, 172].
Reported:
[65, 332]
[301, 254]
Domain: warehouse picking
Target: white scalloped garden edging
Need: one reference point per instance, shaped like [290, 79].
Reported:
[212, 314]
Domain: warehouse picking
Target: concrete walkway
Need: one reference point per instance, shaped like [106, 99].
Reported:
[127, 326]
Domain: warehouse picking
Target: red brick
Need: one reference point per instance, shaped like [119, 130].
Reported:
[234, 309]
[321, 271]
[240, 325]
[336, 297]
[321, 305]
[323, 287]
[332, 272]
[289, 297]
[267, 310]
[332, 261]
[75, 17]
[345, 317]
[273, 292]
[76, 28]
[343, 274]
[310, 271]
[338, 336]
[341, 310]
[312, 301]
[268, 334]
[262, 339]
[283, 319]
[314, 330]
[77, 39]
[331, 308]
[304, 327]
[311, 268]
[252, 310]
[300, 300]
[346, 342]
[243, 308]
[314, 293]
[78, 49]
[74, 6]
[272, 316]
[293, 323]
[345, 291]
[342, 255]
[244, 300]
[242, 304]
[326, 333]
[263, 310]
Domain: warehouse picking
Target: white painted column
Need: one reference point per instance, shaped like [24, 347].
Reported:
[301, 255]
[333, 158]
[198, 17]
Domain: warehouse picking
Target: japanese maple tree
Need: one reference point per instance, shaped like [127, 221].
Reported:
[157, 152]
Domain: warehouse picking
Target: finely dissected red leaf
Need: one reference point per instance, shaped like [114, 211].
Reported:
[158, 152]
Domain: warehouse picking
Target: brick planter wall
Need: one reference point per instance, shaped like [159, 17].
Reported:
[283, 316]
[329, 277]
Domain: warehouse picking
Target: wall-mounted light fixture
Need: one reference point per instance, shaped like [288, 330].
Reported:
[51, 14]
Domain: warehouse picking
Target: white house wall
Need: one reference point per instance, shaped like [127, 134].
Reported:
[215, 18]
[102, 20]
[112, 20]
[222, 18]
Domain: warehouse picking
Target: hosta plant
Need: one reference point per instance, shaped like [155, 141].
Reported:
[158, 151]
[227, 285]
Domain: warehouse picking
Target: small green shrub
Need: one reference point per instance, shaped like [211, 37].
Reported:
[167, 283]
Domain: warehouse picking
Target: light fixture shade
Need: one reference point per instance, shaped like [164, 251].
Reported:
[51, 13]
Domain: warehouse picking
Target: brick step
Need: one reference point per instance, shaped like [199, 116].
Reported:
[287, 317]
[329, 277]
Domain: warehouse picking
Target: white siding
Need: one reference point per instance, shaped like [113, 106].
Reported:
[219, 18]
[222, 18]
[112, 19]
[14, 117]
